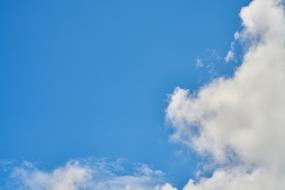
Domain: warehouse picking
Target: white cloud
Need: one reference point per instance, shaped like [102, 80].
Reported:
[235, 119]
[230, 56]
[231, 53]
[241, 117]
[89, 176]
[72, 176]
[167, 186]
[239, 179]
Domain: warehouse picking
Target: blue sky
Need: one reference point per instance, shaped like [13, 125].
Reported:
[89, 78]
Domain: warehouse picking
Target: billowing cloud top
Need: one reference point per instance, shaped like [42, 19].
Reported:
[241, 118]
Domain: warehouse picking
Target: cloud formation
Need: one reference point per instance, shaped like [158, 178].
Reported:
[90, 176]
[241, 118]
[230, 56]
[239, 122]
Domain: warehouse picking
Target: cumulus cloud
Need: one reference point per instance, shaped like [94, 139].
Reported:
[89, 176]
[239, 122]
[72, 176]
[241, 117]
[239, 179]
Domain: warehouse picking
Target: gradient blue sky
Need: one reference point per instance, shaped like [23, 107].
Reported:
[90, 78]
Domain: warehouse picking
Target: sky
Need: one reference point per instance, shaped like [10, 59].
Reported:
[129, 95]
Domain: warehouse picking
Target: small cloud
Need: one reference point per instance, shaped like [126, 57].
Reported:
[237, 36]
[230, 56]
[199, 62]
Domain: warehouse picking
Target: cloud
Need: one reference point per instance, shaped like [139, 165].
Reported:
[230, 56]
[231, 53]
[89, 176]
[239, 122]
[239, 179]
[72, 176]
[199, 62]
[241, 118]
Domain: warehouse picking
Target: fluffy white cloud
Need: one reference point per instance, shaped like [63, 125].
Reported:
[241, 117]
[231, 119]
[90, 176]
[239, 179]
[70, 177]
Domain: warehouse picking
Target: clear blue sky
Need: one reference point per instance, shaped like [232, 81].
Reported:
[82, 78]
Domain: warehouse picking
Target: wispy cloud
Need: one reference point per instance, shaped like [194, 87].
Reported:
[230, 56]
[76, 175]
